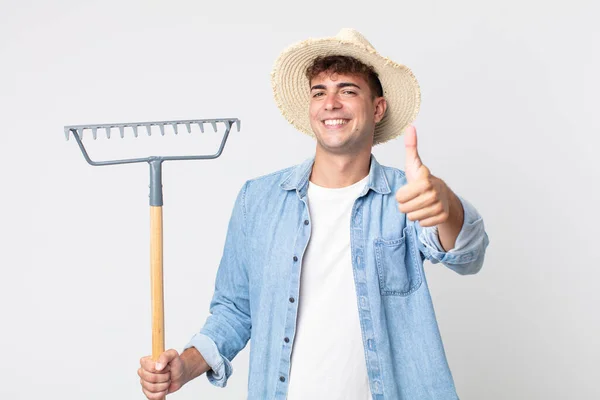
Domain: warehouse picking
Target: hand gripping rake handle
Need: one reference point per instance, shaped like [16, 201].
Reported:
[156, 201]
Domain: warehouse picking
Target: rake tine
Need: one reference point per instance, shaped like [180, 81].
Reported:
[79, 130]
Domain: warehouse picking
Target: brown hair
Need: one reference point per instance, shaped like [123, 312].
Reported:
[346, 65]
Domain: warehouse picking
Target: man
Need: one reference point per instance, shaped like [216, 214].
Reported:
[323, 262]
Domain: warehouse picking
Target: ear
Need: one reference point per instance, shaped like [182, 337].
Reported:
[380, 107]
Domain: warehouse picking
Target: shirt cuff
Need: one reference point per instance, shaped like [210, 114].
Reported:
[431, 235]
[221, 368]
[466, 241]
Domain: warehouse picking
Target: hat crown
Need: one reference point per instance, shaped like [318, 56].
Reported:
[352, 35]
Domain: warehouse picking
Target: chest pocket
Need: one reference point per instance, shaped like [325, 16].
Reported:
[397, 266]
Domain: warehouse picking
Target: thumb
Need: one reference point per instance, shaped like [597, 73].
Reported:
[165, 358]
[413, 161]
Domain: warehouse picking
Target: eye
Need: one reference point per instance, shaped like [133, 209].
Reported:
[349, 92]
[317, 94]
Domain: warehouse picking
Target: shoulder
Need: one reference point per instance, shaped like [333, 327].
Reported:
[268, 184]
[269, 181]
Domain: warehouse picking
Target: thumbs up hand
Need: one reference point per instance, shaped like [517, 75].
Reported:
[425, 198]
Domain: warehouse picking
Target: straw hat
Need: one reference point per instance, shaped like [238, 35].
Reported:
[291, 87]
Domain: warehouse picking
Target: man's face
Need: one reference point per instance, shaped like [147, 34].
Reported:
[343, 112]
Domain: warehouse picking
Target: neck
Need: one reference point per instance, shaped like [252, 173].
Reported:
[340, 170]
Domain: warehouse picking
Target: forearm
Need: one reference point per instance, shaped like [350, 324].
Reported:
[449, 230]
[194, 363]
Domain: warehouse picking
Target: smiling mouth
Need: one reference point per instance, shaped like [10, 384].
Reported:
[335, 123]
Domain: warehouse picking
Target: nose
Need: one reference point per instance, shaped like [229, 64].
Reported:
[332, 102]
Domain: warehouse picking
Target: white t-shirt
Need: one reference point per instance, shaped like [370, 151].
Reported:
[328, 358]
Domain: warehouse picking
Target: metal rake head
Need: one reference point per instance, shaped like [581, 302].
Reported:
[155, 162]
[78, 130]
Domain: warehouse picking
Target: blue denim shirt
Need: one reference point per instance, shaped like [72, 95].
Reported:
[257, 286]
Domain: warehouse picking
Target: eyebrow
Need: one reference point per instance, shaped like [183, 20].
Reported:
[339, 86]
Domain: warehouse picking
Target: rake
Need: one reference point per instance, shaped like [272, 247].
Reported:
[156, 197]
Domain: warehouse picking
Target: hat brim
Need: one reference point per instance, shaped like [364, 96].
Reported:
[292, 95]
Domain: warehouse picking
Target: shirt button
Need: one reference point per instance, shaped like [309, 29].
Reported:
[282, 378]
[295, 258]
[305, 222]
[363, 301]
[375, 386]
[287, 340]
[292, 300]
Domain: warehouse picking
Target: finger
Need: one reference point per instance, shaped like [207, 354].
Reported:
[155, 387]
[165, 358]
[419, 202]
[154, 396]
[154, 377]
[148, 364]
[430, 211]
[413, 161]
[412, 190]
[432, 221]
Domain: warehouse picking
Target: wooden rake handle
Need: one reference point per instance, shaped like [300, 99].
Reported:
[156, 281]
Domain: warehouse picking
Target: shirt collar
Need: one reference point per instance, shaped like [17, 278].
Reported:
[299, 176]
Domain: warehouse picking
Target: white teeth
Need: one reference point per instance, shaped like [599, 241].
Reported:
[333, 122]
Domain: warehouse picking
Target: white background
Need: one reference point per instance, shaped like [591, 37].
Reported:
[508, 120]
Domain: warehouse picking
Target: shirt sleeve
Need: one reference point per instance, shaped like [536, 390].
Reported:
[227, 328]
[221, 368]
[468, 253]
